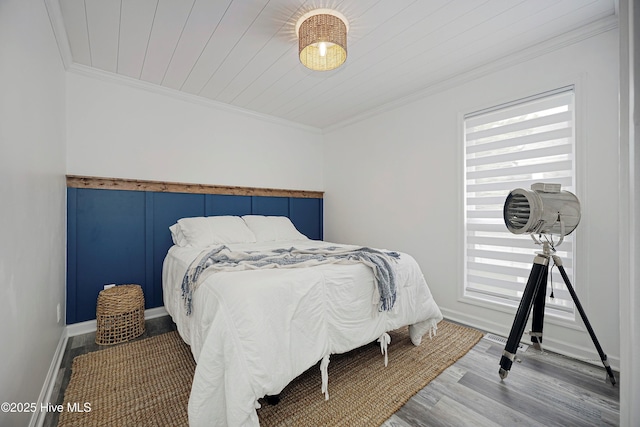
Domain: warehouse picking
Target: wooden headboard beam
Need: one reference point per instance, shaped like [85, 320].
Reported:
[75, 181]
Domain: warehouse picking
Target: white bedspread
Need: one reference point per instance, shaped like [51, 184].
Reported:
[251, 332]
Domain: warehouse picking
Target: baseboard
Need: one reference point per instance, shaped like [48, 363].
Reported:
[37, 418]
[90, 325]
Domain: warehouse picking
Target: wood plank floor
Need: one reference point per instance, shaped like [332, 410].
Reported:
[543, 389]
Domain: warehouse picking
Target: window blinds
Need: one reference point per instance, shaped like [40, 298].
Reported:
[507, 147]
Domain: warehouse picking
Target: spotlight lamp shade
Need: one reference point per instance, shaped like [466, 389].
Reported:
[544, 209]
[322, 39]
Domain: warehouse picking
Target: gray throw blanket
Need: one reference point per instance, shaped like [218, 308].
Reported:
[221, 258]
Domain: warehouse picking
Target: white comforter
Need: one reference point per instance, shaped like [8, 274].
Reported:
[251, 332]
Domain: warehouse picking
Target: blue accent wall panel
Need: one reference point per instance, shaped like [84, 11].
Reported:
[121, 236]
[72, 255]
[223, 204]
[109, 246]
[275, 206]
[306, 215]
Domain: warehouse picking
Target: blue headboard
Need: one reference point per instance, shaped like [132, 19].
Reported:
[118, 230]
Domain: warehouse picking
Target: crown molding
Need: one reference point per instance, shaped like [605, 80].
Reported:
[585, 32]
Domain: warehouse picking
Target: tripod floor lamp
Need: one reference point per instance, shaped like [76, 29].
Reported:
[543, 211]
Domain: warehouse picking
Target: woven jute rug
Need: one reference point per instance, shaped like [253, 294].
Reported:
[147, 382]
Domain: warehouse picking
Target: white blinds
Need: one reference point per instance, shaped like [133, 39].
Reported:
[507, 147]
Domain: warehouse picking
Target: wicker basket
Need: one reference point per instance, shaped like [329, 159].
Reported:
[119, 314]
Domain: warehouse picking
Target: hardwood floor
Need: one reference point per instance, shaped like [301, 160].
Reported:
[543, 389]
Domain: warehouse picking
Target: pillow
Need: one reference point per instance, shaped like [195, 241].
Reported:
[272, 228]
[177, 236]
[215, 230]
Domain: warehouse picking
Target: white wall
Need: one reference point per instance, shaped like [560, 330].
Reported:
[395, 180]
[118, 130]
[32, 191]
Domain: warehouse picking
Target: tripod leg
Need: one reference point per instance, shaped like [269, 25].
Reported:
[537, 320]
[567, 282]
[538, 271]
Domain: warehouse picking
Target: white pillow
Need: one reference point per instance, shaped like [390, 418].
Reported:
[273, 228]
[177, 236]
[215, 230]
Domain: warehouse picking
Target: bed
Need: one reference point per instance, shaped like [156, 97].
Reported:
[254, 328]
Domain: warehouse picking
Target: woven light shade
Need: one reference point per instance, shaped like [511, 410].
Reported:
[322, 39]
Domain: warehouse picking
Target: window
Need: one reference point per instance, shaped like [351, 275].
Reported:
[507, 147]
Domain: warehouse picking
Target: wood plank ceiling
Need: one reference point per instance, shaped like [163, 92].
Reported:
[244, 52]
